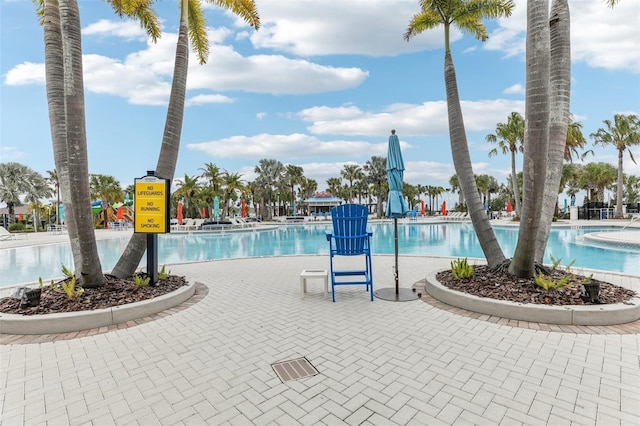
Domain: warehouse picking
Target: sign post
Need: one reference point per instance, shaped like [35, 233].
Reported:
[152, 207]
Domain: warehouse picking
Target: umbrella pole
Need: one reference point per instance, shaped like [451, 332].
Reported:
[395, 234]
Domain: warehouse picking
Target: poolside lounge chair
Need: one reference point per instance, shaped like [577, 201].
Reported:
[6, 235]
[350, 237]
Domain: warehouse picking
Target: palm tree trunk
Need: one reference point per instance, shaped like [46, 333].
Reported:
[560, 96]
[168, 157]
[54, 73]
[89, 271]
[514, 183]
[534, 169]
[464, 169]
[619, 193]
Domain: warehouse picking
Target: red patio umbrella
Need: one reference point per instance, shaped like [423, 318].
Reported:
[509, 207]
[179, 215]
[444, 208]
[422, 207]
[20, 217]
[244, 209]
[119, 214]
[204, 212]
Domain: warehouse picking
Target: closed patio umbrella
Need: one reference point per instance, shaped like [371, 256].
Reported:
[216, 207]
[444, 208]
[244, 208]
[179, 214]
[396, 207]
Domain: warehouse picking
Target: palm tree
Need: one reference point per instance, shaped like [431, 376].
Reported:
[575, 141]
[192, 27]
[351, 172]
[376, 170]
[188, 189]
[632, 188]
[510, 139]
[455, 187]
[595, 178]
[65, 99]
[293, 175]
[14, 181]
[55, 183]
[550, 90]
[623, 133]
[467, 17]
[232, 183]
[334, 185]
[269, 173]
[38, 189]
[108, 190]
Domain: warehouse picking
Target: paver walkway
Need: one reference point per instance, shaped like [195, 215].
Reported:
[379, 363]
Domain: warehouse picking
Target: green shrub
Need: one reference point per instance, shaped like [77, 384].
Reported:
[162, 275]
[70, 289]
[461, 269]
[548, 283]
[18, 226]
[141, 282]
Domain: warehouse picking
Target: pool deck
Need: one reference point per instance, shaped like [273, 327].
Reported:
[209, 361]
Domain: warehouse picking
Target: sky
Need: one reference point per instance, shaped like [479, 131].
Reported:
[319, 85]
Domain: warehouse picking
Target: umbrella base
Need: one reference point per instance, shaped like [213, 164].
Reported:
[403, 294]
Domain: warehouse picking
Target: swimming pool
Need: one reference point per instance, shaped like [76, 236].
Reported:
[26, 264]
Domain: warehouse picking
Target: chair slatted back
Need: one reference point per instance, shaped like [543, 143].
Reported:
[350, 229]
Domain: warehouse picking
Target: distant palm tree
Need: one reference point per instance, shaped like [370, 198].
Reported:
[595, 178]
[622, 134]
[108, 190]
[334, 185]
[188, 189]
[55, 183]
[293, 176]
[38, 189]
[510, 139]
[270, 174]
[376, 170]
[15, 181]
[351, 172]
[575, 141]
[632, 188]
[455, 187]
[232, 184]
[467, 17]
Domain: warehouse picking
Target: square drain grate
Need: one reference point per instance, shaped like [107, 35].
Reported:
[294, 369]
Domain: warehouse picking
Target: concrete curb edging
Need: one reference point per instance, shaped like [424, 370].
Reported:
[549, 314]
[76, 321]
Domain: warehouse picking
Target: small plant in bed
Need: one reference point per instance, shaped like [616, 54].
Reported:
[564, 287]
[65, 296]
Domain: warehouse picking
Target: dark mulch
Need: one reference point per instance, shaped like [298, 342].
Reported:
[114, 292]
[503, 286]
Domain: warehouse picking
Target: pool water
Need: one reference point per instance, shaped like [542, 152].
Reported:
[26, 264]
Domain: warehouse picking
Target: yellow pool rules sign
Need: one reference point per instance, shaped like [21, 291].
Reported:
[152, 205]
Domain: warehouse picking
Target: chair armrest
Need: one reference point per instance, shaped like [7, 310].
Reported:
[329, 235]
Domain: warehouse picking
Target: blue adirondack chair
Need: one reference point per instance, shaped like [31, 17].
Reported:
[350, 237]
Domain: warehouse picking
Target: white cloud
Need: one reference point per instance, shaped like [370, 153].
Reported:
[128, 30]
[208, 99]
[602, 37]
[24, 74]
[366, 27]
[516, 89]
[294, 146]
[427, 119]
[11, 153]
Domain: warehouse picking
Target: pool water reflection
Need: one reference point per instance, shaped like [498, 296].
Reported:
[26, 264]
